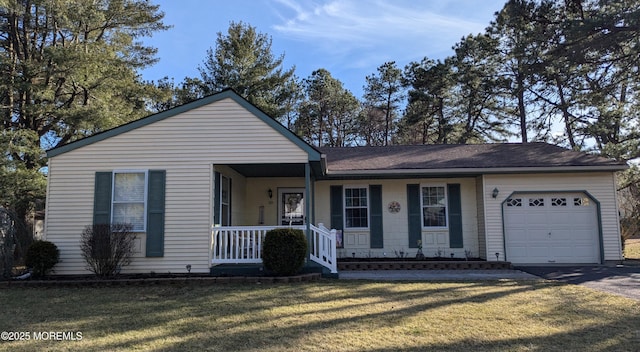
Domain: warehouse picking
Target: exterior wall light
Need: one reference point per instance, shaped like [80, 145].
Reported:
[495, 192]
[270, 193]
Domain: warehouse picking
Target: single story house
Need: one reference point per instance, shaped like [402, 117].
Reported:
[201, 183]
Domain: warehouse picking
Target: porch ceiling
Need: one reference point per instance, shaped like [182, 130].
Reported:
[269, 170]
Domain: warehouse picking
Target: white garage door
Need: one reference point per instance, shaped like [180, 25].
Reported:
[551, 228]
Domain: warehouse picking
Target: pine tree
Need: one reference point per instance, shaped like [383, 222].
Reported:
[383, 94]
[242, 59]
[328, 113]
[67, 70]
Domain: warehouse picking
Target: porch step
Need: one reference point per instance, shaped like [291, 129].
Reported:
[423, 265]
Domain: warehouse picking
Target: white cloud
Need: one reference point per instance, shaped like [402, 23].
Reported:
[370, 23]
[358, 34]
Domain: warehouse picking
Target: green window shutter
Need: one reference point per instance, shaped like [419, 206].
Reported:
[455, 216]
[217, 201]
[414, 212]
[102, 198]
[337, 217]
[375, 228]
[155, 213]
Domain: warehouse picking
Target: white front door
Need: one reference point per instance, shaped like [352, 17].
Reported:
[291, 206]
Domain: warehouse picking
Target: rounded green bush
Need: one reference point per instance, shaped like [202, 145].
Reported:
[41, 256]
[284, 251]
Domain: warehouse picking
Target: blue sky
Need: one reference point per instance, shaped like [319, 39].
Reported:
[349, 38]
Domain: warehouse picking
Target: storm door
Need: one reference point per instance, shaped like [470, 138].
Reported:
[291, 206]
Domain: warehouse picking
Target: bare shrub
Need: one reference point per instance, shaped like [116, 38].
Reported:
[107, 248]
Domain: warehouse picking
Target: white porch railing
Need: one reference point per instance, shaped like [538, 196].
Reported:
[243, 244]
[323, 247]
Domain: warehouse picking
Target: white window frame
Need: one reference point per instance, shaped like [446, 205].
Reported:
[344, 206]
[446, 206]
[223, 204]
[146, 190]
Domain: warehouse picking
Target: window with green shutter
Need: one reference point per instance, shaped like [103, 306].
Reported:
[356, 207]
[434, 206]
[129, 199]
[136, 198]
[375, 231]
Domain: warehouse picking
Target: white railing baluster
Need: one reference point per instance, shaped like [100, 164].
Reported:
[243, 244]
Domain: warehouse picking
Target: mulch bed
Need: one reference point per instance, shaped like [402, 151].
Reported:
[408, 259]
[145, 280]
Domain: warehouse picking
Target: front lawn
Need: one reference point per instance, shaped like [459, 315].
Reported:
[632, 249]
[327, 315]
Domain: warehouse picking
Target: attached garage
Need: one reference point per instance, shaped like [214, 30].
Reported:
[551, 228]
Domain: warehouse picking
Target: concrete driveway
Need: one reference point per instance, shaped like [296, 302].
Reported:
[620, 280]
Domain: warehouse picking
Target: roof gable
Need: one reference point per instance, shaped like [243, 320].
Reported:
[314, 154]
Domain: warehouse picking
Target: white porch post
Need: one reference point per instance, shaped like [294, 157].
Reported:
[307, 205]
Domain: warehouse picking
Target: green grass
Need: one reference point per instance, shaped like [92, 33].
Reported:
[632, 249]
[327, 315]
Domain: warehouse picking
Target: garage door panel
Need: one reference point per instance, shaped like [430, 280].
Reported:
[583, 218]
[559, 218]
[567, 234]
[515, 219]
[575, 254]
[584, 235]
[537, 251]
[550, 228]
[560, 251]
[536, 218]
[537, 235]
[519, 251]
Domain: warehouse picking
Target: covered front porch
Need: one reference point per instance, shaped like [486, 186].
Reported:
[243, 244]
[251, 199]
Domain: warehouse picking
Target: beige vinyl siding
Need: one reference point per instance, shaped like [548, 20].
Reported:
[482, 243]
[395, 225]
[599, 185]
[187, 146]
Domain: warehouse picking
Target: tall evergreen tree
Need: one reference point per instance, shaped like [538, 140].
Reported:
[476, 91]
[289, 100]
[514, 31]
[328, 113]
[601, 37]
[169, 94]
[243, 60]
[68, 69]
[383, 93]
[429, 105]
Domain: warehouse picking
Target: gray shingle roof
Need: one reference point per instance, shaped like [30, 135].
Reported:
[460, 156]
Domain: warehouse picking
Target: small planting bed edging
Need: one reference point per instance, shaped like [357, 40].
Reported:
[422, 265]
[192, 280]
